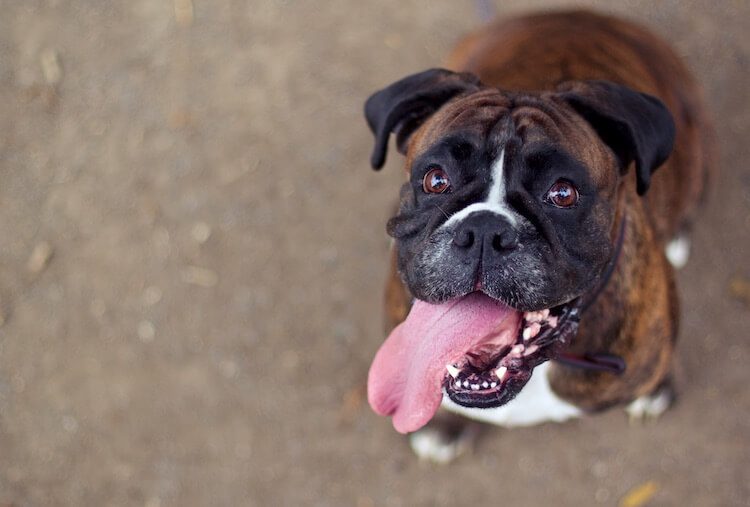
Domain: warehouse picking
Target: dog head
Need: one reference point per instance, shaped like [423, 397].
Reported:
[512, 195]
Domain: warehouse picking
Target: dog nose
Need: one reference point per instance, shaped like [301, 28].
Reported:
[487, 231]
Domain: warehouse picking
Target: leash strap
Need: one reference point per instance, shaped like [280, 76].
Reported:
[595, 362]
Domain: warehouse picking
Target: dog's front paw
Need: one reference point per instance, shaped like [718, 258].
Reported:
[442, 441]
[651, 406]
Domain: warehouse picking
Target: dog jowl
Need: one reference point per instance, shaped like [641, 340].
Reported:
[507, 221]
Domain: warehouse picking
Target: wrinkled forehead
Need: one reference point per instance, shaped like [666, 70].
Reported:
[491, 117]
[482, 117]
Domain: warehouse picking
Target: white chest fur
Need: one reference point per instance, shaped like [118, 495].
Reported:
[535, 404]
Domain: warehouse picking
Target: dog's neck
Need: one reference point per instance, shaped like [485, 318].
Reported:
[599, 361]
[618, 323]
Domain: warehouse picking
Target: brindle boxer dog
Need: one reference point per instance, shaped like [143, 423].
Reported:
[529, 279]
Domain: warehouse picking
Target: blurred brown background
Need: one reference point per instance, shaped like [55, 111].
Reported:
[193, 250]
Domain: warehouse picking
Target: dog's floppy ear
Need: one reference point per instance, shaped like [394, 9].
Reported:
[406, 104]
[637, 127]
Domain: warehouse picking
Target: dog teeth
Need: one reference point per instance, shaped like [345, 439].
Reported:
[474, 387]
[517, 349]
[531, 331]
[493, 384]
[500, 372]
[485, 384]
[466, 384]
[531, 350]
[539, 316]
[452, 370]
[552, 321]
[535, 328]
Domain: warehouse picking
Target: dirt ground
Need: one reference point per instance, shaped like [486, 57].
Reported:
[193, 251]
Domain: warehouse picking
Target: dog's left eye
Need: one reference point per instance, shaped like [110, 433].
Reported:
[562, 194]
[436, 181]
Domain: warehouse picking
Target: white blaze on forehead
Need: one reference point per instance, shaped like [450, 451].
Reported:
[497, 190]
[495, 202]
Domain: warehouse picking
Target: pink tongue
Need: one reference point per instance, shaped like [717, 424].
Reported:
[406, 376]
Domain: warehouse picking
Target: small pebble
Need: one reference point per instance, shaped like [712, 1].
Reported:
[97, 308]
[202, 277]
[228, 368]
[18, 383]
[50, 62]
[162, 242]
[152, 295]
[39, 258]
[739, 288]
[393, 41]
[599, 469]
[201, 232]
[69, 424]
[146, 331]
[183, 12]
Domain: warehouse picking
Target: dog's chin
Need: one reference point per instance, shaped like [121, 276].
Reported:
[493, 373]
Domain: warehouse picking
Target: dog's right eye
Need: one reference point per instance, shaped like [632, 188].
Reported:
[563, 194]
[436, 181]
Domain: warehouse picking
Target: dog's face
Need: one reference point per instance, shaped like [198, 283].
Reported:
[512, 196]
[499, 200]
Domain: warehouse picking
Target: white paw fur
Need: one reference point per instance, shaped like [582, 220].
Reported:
[649, 407]
[678, 251]
[431, 444]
